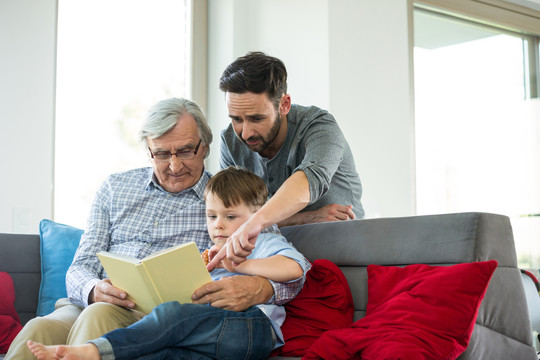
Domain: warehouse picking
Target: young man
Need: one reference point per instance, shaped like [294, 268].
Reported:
[182, 331]
[300, 152]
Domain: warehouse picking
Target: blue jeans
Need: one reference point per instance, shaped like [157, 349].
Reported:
[191, 331]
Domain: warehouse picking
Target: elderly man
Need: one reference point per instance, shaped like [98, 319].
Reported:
[139, 212]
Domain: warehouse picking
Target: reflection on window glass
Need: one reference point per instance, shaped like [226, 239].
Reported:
[476, 133]
[115, 59]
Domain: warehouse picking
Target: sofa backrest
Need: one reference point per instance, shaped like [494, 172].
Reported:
[20, 258]
[502, 329]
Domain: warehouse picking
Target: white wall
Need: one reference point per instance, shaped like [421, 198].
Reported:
[294, 31]
[27, 76]
[349, 56]
[371, 95]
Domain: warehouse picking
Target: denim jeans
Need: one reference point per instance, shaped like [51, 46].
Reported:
[191, 331]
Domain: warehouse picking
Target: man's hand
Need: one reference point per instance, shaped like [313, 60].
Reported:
[104, 291]
[236, 293]
[333, 212]
[239, 245]
[330, 212]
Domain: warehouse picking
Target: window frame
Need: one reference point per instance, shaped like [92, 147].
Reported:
[194, 39]
[529, 30]
[501, 14]
[197, 89]
[533, 39]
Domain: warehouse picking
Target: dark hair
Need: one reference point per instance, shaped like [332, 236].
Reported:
[235, 185]
[258, 73]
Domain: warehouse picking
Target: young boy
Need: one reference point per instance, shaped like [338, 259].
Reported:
[191, 331]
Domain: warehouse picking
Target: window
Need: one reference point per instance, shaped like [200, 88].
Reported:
[478, 124]
[115, 59]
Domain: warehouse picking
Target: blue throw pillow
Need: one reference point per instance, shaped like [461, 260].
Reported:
[58, 245]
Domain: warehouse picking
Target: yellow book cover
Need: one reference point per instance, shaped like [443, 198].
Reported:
[168, 275]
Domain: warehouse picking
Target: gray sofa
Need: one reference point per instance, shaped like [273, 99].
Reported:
[502, 329]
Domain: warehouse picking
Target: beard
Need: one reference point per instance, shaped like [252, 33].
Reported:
[264, 141]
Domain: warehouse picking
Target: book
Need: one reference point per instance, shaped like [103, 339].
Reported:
[168, 275]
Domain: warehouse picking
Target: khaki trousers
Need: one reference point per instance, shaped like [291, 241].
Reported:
[72, 325]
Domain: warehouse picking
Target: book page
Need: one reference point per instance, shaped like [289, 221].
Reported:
[126, 274]
[177, 273]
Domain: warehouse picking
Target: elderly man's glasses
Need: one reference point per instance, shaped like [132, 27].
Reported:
[183, 154]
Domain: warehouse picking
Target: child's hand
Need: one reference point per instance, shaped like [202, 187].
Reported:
[213, 251]
[205, 257]
[223, 264]
[209, 254]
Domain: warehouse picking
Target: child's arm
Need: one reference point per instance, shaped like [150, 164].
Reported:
[276, 268]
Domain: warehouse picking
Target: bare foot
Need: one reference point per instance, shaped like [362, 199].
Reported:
[42, 352]
[78, 352]
[57, 352]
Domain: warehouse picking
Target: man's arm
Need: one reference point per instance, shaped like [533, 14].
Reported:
[325, 149]
[236, 293]
[83, 283]
[330, 212]
[291, 197]
[240, 292]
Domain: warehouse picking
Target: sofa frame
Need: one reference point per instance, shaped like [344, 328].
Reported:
[502, 330]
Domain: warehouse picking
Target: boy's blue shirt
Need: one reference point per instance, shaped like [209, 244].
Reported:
[267, 245]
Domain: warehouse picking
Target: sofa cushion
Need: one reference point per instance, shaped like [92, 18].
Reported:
[9, 320]
[324, 303]
[415, 312]
[58, 245]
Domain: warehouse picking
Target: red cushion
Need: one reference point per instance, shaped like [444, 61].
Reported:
[9, 319]
[415, 312]
[324, 303]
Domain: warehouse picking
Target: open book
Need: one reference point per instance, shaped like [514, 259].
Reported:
[168, 275]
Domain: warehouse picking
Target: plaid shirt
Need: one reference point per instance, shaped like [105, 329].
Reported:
[132, 215]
